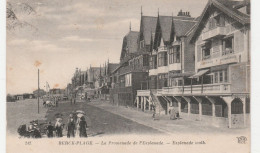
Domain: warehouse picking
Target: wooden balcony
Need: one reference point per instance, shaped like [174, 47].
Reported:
[143, 92]
[226, 58]
[175, 66]
[223, 88]
[162, 69]
[218, 31]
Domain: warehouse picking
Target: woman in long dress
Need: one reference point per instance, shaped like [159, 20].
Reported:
[58, 127]
[77, 127]
[82, 127]
[71, 127]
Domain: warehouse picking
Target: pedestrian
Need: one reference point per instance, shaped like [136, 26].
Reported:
[82, 127]
[57, 102]
[30, 129]
[71, 126]
[77, 126]
[178, 115]
[172, 114]
[50, 130]
[58, 127]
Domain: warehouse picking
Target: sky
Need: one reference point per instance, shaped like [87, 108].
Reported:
[58, 36]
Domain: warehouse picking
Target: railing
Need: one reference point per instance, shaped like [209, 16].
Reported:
[227, 51]
[216, 31]
[206, 57]
[148, 92]
[159, 91]
[195, 89]
[143, 92]
[221, 60]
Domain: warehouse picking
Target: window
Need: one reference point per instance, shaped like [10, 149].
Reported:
[225, 76]
[216, 77]
[142, 44]
[178, 54]
[174, 55]
[216, 21]
[171, 56]
[162, 59]
[228, 45]
[145, 60]
[180, 82]
[153, 62]
[206, 51]
[220, 21]
[221, 77]
[128, 80]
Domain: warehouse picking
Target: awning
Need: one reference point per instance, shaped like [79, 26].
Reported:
[200, 73]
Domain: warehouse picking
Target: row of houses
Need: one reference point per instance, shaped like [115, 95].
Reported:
[197, 66]
[95, 80]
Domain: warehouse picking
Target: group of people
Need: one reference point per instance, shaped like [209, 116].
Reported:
[49, 101]
[76, 126]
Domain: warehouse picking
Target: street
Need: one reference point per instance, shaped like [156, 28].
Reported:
[99, 122]
[105, 119]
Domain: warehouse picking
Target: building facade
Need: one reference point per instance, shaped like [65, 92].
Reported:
[206, 75]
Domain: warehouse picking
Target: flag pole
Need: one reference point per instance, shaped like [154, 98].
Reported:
[38, 90]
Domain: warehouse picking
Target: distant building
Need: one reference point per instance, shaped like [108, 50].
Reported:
[41, 93]
[10, 98]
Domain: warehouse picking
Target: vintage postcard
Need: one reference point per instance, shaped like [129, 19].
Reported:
[128, 76]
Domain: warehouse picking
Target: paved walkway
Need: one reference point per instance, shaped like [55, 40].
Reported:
[164, 124]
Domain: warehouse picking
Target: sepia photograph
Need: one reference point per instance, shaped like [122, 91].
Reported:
[124, 75]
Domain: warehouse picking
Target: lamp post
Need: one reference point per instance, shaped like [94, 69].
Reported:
[38, 90]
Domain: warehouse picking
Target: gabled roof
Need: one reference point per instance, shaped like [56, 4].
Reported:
[226, 6]
[181, 27]
[175, 25]
[148, 24]
[131, 39]
[166, 27]
[130, 43]
[111, 67]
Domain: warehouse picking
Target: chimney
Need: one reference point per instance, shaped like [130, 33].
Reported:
[183, 13]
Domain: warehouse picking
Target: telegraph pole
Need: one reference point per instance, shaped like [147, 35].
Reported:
[38, 90]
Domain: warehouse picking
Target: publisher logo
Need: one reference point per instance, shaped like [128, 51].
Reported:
[241, 140]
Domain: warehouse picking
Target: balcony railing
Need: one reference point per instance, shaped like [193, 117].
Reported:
[143, 92]
[198, 89]
[227, 51]
[206, 57]
[218, 31]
